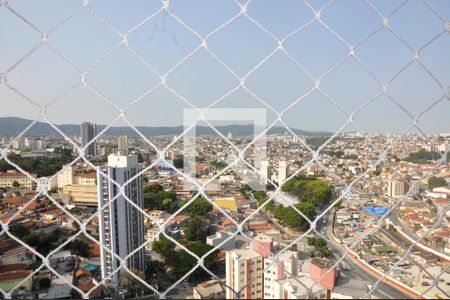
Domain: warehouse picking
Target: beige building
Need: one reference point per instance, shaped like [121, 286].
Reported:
[244, 269]
[81, 187]
[82, 195]
[7, 180]
[66, 176]
[399, 187]
[123, 145]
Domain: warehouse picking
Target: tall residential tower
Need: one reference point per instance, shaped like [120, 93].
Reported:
[88, 132]
[121, 224]
[122, 145]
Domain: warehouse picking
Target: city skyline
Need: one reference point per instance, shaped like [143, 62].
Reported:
[225, 149]
[202, 80]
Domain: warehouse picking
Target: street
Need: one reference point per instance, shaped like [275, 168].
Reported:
[355, 271]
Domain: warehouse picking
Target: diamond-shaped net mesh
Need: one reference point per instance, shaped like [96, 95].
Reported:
[387, 276]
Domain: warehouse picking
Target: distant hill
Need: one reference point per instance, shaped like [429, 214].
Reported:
[14, 126]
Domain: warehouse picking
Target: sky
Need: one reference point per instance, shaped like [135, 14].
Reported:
[202, 80]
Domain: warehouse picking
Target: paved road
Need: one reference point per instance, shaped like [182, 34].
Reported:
[393, 217]
[355, 271]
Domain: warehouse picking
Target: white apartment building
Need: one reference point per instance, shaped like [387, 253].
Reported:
[299, 287]
[121, 225]
[264, 171]
[282, 172]
[286, 266]
[244, 268]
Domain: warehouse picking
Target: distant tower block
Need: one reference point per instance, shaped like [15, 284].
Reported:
[302, 139]
[264, 171]
[123, 145]
[282, 172]
[229, 136]
[88, 132]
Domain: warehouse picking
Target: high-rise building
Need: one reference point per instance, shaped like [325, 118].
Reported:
[123, 145]
[256, 269]
[400, 187]
[244, 268]
[282, 172]
[286, 266]
[88, 132]
[121, 225]
[264, 171]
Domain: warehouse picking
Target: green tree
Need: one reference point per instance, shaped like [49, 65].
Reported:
[34, 265]
[320, 245]
[154, 195]
[196, 228]
[434, 182]
[19, 230]
[130, 282]
[79, 248]
[169, 205]
[153, 188]
[200, 207]
[15, 184]
[178, 260]
[258, 195]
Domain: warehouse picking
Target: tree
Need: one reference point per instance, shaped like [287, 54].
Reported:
[154, 195]
[152, 269]
[19, 230]
[258, 195]
[434, 182]
[178, 260]
[79, 248]
[34, 265]
[199, 207]
[45, 283]
[130, 282]
[196, 228]
[320, 245]
[153, 188]
[187, 261]
[169, 205]
[245, 191]
[15, 184]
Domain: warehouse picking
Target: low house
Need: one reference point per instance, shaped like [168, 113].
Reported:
[17, 255]
[212, 289]
[16, 280]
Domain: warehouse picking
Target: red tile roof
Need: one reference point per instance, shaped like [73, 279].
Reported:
[10, 217]
[14, 275]
[13, 200]
[12, 267]
[92, 174]
[15, 174]
[94, 250]
[81, 272]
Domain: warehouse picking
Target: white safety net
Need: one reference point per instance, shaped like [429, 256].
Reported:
[317, 156]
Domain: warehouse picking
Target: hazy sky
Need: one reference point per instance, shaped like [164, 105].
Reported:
[241, 45]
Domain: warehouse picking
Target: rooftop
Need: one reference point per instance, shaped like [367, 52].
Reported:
[208, 288]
